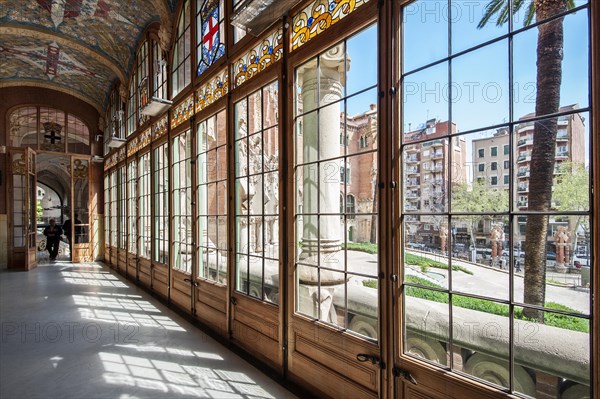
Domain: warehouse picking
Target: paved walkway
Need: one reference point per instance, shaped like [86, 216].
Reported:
[493, 282]
[81, 331]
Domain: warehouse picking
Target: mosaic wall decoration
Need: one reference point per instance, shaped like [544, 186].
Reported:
[183, 111]
[132, 146]
[112, 161]
[145, 138]
[161, 127]
[318, 16]
[212, 30]
[122, 154]
[19, 166]
[80, 169]
[214, 89]
[259, 58]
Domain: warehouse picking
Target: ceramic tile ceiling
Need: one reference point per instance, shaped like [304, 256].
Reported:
[79, 47]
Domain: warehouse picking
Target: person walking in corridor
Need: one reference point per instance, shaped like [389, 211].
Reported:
[52, 233]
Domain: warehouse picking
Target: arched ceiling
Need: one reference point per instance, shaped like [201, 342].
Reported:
[80, 47]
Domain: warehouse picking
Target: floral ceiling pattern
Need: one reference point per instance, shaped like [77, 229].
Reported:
[76, 46]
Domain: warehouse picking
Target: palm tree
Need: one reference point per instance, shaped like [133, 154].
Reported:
[549, 75]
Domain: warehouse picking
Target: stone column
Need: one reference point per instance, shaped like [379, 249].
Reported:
[322, 237]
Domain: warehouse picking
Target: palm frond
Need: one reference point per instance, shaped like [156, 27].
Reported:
[530, 15]
[493, 7]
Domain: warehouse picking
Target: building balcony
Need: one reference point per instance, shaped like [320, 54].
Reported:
[411, 160]
[524, 142]
[437, 143]
[523, 189]
[524, 158]
[522, 204]
[412, 183]
[562, 155]
[524, 173]
[562, 136]
[412, 171]
[412, 195]
[437, 155]
[411, 208]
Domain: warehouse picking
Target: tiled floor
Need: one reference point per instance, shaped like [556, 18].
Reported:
[80, 331]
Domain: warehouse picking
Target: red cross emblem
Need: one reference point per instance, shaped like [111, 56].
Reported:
[210, 29]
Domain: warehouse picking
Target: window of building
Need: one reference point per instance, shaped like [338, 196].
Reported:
[212, 197]
[182, 202]
[122, 206]
[132, 184]
[160, 172]
[145, 213]
[493, 47]
[481, 167]
[142, 81]
[350, 206]
[494, 166]
[210, 30]
[506, 165]
[182, 63]
[256, 148]
[114, 203]
[107, 208]
[344, 172]
[322, 233]
[132, 106]
[159, 65]
[48, 129]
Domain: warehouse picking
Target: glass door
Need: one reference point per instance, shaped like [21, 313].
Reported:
[78, 230]
[23, 209]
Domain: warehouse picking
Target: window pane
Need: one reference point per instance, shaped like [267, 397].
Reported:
[335, 175]
[257, 194]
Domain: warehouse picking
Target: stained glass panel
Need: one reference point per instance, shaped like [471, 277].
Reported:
[214, 89]
[318, 16]
[211, 33]
[259, 58]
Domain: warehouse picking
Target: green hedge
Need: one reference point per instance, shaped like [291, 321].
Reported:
[551, 319]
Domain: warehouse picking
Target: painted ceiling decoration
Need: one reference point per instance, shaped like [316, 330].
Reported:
[80, 47]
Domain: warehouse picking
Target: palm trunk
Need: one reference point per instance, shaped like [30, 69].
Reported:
[549, 75]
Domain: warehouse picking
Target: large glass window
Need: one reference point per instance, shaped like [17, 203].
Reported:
[160, 71]
[336, 243]
[132, 192]
[122, 206]
[182, 63]
[114, 215]
[257, 194]
[212, 198]
[107, 209]
[161, 204]
[132, 106]
[145, 212]
[142, 83]
[210, 29]
[48, 129]
[182, 202]
[495, 275]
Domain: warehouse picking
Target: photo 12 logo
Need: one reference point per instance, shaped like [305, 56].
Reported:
[53, 332]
